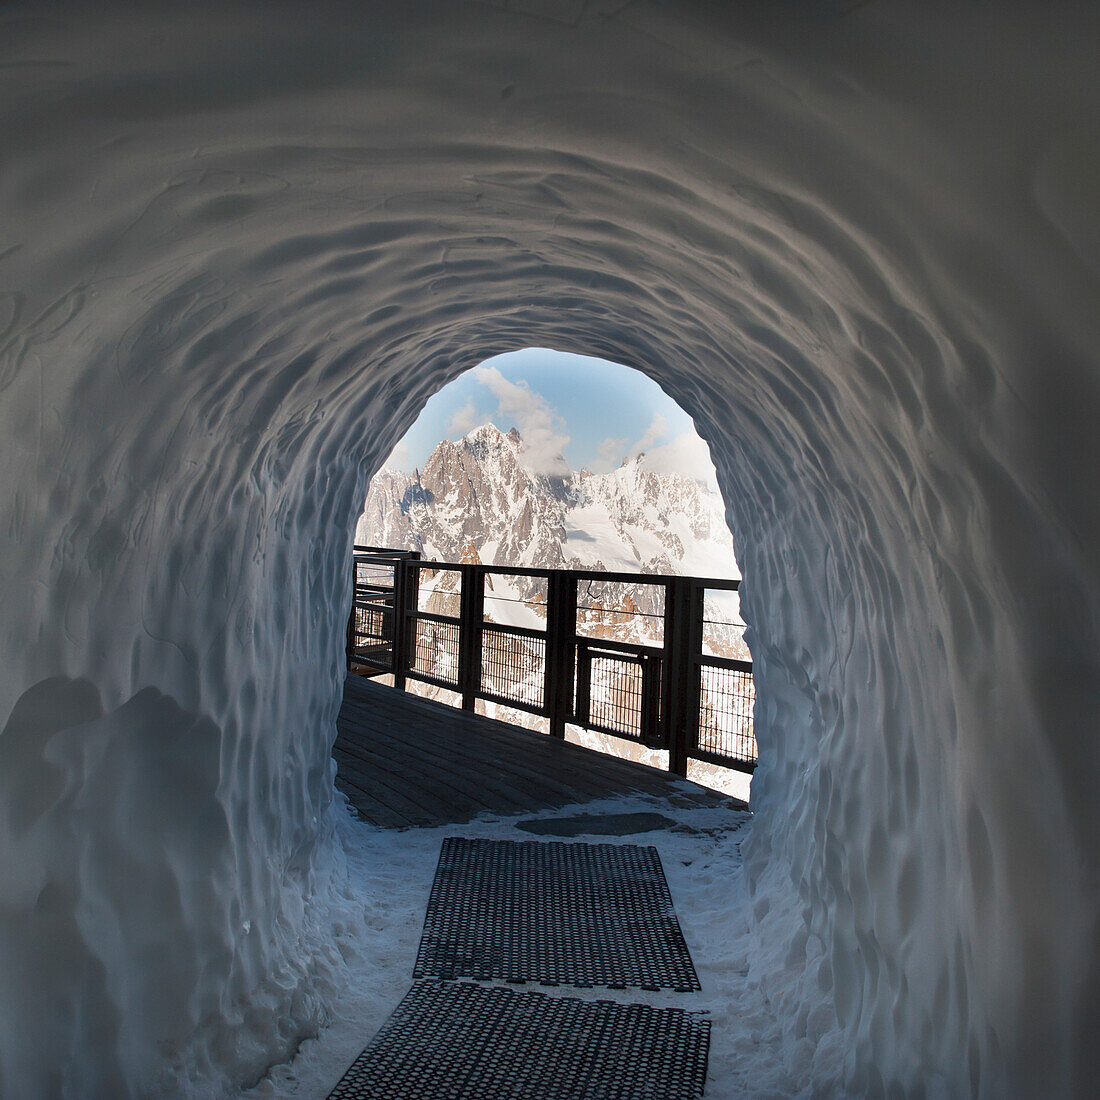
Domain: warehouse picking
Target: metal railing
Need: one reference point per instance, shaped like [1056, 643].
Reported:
[431, 621]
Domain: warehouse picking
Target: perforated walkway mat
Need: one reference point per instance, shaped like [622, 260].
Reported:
[458, 1040]
[555, 913]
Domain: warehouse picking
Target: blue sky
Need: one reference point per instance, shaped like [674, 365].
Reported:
[593, 412]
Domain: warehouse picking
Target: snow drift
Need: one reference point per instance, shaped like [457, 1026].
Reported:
[243, 245]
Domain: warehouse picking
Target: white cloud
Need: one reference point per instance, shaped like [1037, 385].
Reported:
[611, 452]
[399, 458]
[657, 429]
[464, 419]
[542, 429]
[687, 455]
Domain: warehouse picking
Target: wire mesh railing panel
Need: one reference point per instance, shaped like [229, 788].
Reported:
[615, 695]
[373, 624]
[435, 650]
[726, 697]
[513, 667]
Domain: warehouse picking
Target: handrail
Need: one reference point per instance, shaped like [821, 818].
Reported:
[730, 584]
[613, 645]
[508, 628]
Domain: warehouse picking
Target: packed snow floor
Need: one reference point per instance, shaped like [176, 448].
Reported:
[392, 871]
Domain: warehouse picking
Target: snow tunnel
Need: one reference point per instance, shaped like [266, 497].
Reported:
[241, 247]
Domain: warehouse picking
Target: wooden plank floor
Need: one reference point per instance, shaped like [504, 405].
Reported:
[405, 761]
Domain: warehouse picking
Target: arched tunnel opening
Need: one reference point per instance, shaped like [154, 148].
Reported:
[242, 249]
[540, 460]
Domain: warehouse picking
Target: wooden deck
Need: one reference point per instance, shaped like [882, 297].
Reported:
[406, 761]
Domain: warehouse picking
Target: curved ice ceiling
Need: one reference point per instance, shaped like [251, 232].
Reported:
[242, 246]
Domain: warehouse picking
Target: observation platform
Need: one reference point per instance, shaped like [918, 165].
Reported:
[405, 761]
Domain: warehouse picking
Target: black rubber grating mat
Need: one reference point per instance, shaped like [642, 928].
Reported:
[455, 1040]
[555, 913]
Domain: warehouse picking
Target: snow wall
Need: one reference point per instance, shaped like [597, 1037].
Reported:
[242, 246]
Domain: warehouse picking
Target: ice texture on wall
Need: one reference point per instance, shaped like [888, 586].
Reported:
[242, 246]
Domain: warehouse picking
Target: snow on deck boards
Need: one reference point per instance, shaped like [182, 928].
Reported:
[403, 760]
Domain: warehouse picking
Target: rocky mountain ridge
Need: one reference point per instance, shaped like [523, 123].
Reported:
[479, 492]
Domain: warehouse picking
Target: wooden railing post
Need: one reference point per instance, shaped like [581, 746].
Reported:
[350, 645]
[582, 704]
[561, 643]
[652, 668]
[683, 643]
[471, 617]
[405, 589]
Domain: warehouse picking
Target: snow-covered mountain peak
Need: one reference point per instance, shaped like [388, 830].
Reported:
[476, 501]
[478, 492]
[486, 438]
